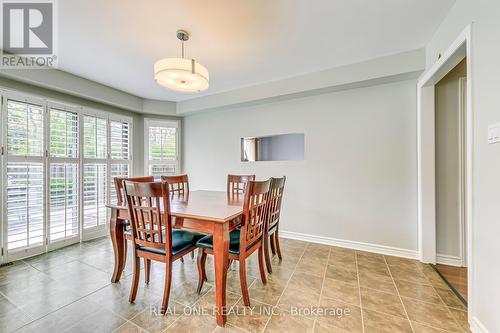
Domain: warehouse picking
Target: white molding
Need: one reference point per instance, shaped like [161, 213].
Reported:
[459, 49]
[477, 327]
[360, 246]
[446, 259]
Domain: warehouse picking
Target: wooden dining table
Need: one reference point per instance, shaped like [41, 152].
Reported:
[209, 212]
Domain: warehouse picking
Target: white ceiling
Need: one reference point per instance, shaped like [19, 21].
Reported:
[241, 42]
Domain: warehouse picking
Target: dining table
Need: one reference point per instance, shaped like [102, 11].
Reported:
[208, 212]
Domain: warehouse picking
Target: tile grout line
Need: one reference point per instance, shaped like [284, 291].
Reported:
[286, 285]
[399, 295]
[129, 322]
[359, 291]
[322, 285]
[448, 308]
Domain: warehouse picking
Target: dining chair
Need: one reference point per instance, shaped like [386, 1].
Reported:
[245, 241]
[271, 236]
[237, 184]
[153, 236]
[177, 185]
[122, 201]
[120, 194]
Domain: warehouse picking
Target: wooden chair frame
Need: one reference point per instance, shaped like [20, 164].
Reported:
[253, 229]
[120, 193]
[177, 185]
[147, 223]
[272, 236]
[237, 184]
[122, 201]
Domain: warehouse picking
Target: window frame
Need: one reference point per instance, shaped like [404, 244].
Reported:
[116, 161]
[16, 254]
[52, 245]
[155, 122]
[47, 160]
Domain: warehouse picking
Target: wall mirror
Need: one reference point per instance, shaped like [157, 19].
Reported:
[282, 147]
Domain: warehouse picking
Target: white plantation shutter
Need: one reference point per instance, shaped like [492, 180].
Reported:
[63, 133]
[63, 198]
[117, 170]
[120, 140]
[163, 148]
[24, 129]
[63, 175]
[95, 171]
[95, 137]
[24, 169]
[57, 167]
[94, 195]
[120, 162]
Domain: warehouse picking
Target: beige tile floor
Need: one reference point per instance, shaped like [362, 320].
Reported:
[316, 288]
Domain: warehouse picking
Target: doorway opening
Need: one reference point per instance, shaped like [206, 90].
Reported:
[428, 194]
[450, 96]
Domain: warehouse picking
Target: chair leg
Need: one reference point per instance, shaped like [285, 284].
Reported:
[277, 242]
[147, 269]
[192, 255]
[243, 282]
[261, 265]
[125, 241]
[135, 279]
[166, 288]
[273, 247]
[202, 274]
[267, 256]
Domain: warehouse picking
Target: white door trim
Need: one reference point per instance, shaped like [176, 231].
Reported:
[459, 49]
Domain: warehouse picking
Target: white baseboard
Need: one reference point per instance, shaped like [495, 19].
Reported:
[449, 260]
[375, 248]
[477, 327]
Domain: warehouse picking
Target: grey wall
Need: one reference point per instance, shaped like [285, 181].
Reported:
[281, 147]
[358, 179]
[448, 174]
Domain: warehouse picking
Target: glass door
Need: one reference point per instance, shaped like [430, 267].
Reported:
[95, 176]
[23, 177]
[63, 178]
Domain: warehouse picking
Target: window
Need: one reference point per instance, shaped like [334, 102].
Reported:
[162, 143]
[25, 173]
[120, 163]
[63, 174]
[57, 167]
[95, 169]
[94, 137]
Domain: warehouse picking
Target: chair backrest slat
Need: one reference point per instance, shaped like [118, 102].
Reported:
[149, 210]
[237, 184]
[120, 194]
[255, 208]
[275, 198]
[177, 185]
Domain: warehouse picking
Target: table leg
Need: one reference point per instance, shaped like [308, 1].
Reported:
[119, 247]
[221, 254]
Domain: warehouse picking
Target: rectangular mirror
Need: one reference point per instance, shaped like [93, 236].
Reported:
[283, 147]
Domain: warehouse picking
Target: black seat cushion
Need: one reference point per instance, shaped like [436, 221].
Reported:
[234, 242]
[181, 240]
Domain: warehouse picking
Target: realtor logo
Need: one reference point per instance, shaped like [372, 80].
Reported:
[28, 34]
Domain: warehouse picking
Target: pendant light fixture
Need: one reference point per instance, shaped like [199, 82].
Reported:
[181, 74]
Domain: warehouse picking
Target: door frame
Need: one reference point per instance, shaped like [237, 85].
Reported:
[456, 52]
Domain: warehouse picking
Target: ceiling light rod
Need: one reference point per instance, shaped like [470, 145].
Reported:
[183, 36]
